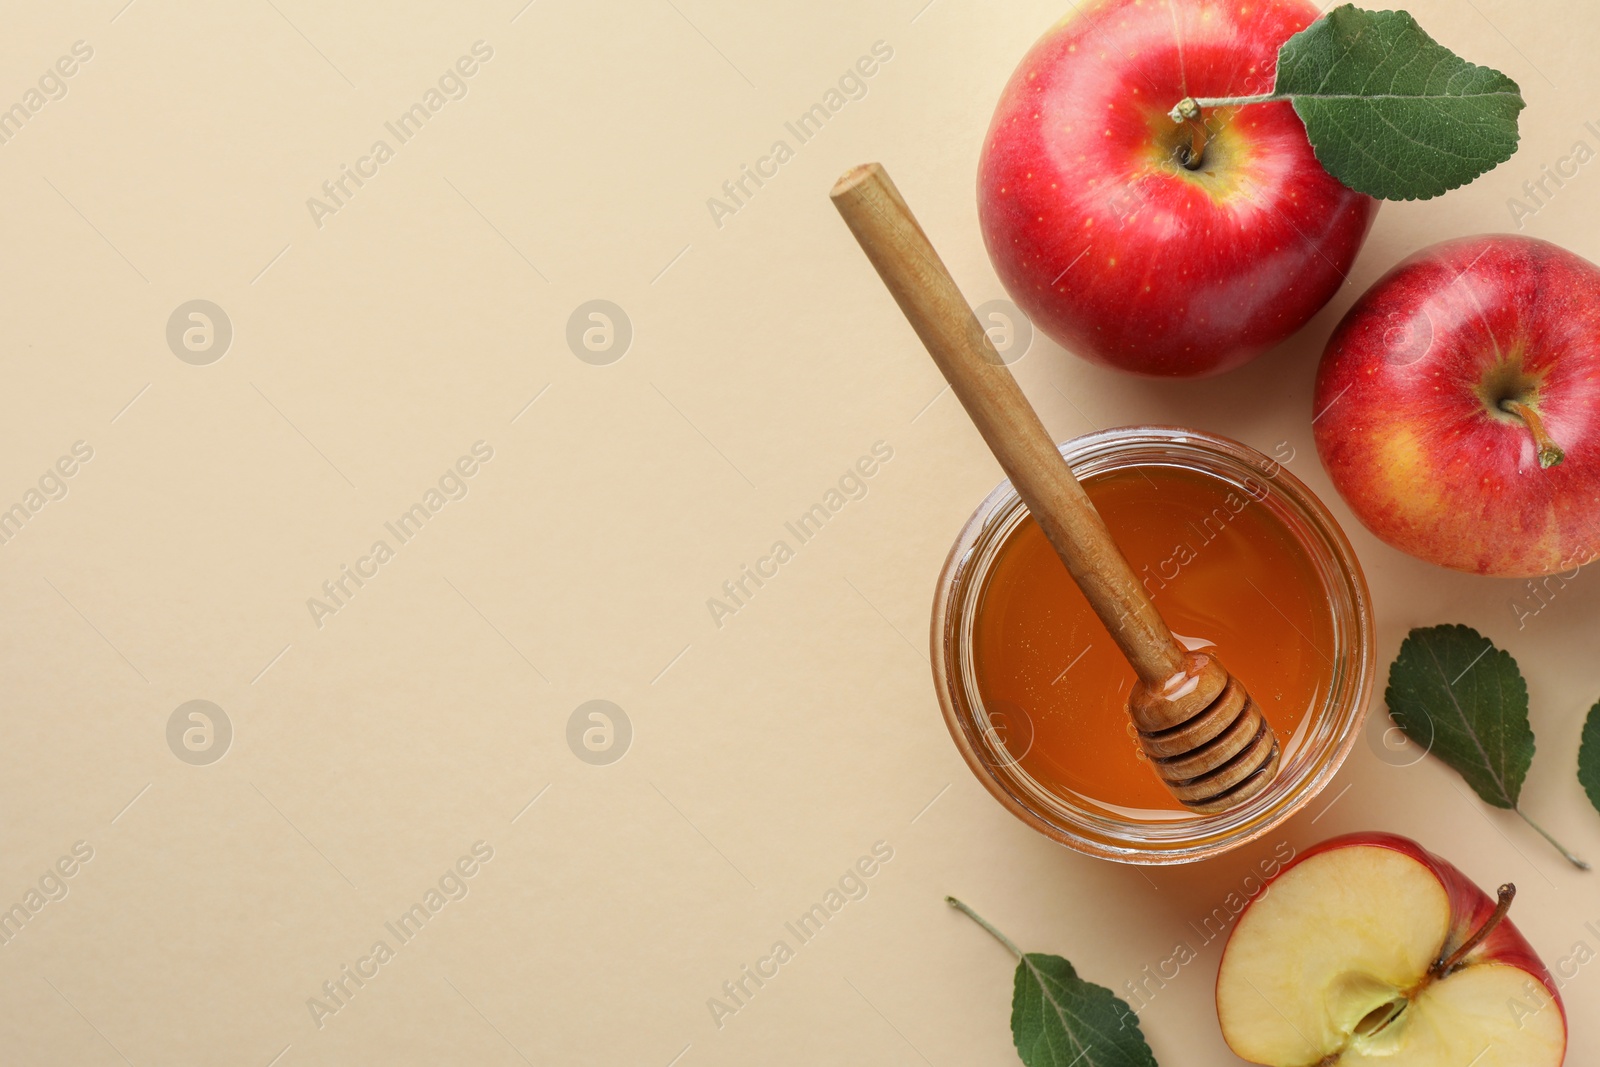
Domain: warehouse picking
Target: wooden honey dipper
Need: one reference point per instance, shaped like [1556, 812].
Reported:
[1205, 737]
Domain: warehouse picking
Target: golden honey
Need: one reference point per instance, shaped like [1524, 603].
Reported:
[1227, 575]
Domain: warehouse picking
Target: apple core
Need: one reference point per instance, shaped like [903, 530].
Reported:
[1370, 950]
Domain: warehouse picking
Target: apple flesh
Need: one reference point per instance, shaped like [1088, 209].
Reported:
[1457, 407]
[1368, 949]
[1121, 241]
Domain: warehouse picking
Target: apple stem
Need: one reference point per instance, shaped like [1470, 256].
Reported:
[1189, 108]
[1197, 144]
[1570, 858]
[1507, 894]
[981, 921]
[1188, 111]
[1550, 453]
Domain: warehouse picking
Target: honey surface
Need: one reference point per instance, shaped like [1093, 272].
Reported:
[1225, 574]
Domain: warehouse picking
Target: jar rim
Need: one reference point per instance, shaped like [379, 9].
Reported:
[1331, 728]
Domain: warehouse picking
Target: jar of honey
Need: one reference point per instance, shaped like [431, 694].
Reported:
[1242, 561]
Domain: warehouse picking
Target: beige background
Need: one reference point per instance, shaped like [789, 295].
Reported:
[767, 754]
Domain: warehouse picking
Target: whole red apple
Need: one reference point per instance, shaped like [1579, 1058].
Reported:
[1457, 407]
[1368, 949]
[1120, 240]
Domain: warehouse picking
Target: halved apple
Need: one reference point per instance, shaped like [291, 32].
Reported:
[1368, 949]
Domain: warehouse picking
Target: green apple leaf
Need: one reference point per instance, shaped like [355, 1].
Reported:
[1391, 112]
[1454, 693]
[1060, 1020]
[1589, 757]
[1461, 698]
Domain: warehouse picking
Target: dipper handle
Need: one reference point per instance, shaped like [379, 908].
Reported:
[889, 234]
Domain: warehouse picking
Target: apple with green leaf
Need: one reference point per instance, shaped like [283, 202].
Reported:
[1369, 949]
[1171, 187]
[1457, 407]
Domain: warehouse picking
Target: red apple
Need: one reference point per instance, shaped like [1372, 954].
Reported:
[1458, 407]
[1368, 949]
[1114, 237]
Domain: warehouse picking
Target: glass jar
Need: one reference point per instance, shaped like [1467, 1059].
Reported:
[1310, 759]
